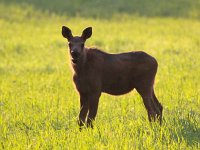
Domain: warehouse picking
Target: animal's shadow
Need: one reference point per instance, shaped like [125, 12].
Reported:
[186, 129]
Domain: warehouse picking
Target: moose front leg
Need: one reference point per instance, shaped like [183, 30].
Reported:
[93, 106]
[84, 107]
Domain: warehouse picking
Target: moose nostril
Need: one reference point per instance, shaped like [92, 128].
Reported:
[75, 54]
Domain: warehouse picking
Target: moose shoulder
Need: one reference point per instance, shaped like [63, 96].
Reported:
[96, 71]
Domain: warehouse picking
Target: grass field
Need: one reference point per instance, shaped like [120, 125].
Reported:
[38, 102]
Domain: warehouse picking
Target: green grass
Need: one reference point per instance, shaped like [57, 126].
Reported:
[38, 102]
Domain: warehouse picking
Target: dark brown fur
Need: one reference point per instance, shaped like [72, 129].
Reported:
[96, 71]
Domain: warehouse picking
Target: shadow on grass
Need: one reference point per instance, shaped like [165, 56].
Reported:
[187, 130]
[105, 9]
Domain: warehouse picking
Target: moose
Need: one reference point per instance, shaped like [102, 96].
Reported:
[96, 71]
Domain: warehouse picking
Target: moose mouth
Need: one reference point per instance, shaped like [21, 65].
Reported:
[75, 60]
[75, 56]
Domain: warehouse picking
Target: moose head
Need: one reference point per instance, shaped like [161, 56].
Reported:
[76, 43]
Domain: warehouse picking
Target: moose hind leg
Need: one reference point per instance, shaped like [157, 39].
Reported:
[158, 106]
[147, 96]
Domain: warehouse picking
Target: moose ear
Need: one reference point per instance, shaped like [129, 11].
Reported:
[67, 33]
[87, 33]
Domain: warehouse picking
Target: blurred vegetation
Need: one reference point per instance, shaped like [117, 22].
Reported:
[109, 8]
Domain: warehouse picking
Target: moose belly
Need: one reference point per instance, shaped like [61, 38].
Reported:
[117, 85]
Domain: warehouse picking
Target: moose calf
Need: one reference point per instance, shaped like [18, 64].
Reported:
[96, 71]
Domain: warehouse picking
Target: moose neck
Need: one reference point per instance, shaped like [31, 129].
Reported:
[79, 66]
